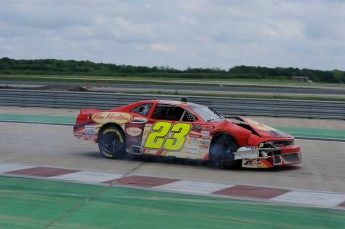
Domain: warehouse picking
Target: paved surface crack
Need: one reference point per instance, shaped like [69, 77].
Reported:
[133, 170]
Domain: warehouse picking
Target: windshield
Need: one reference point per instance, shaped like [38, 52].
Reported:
[206, 113]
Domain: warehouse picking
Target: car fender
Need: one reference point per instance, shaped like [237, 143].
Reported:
[242, 136]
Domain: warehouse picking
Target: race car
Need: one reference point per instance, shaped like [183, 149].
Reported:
[186, 130]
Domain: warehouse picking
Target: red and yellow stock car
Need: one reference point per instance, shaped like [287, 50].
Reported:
[186, 130]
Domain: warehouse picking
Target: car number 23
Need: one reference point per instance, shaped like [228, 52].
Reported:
[167, 135]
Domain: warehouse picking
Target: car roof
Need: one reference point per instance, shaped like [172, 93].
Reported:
[171, 102]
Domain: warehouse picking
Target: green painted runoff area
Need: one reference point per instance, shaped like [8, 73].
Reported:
[313, 132]
[38, 118]
[297, 132]
[36, 203]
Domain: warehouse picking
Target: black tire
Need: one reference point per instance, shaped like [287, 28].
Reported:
[222, 153]
[112, 142]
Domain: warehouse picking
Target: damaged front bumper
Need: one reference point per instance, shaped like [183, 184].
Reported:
[254, 157]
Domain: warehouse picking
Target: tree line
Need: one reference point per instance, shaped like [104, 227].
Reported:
[71, 67]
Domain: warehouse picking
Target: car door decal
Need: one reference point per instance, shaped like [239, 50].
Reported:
[167, 135]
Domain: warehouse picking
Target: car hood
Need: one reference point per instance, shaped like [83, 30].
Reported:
[258, 128]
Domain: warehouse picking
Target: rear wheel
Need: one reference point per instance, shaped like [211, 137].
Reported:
[222, 152]
[111, 142]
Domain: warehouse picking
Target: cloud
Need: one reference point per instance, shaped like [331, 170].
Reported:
[158, 47]
[177, 33]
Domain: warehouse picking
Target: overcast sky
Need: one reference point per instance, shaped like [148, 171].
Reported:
[177, 33]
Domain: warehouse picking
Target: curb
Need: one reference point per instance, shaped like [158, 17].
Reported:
[276, 195]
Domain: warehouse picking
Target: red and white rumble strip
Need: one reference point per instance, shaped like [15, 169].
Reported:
[299, 197]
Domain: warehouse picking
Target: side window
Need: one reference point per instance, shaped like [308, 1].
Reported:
[142, 109]
[188, 117]
[167, 112]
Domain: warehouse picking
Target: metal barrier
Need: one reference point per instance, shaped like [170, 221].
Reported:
[225, 105]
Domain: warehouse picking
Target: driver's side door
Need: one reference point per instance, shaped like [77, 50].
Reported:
[171, 132]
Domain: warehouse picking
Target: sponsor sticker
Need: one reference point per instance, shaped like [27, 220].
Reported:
[192, 150]
[196, 127]
[134, 131]
[90, 131]
[204, 142]
[194, 135]
[194, 141]
[251, 163]
[205, 134]
[117, 117]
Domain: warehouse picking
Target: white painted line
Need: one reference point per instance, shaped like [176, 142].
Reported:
[4, 168]
[197, 187]
[312, 197]
[88, 177]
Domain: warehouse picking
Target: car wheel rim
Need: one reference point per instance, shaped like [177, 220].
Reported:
[111, 142]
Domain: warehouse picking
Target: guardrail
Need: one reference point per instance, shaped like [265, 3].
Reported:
[225, 105]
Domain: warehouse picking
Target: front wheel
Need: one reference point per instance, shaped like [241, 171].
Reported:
[111, 142]
[222, 153]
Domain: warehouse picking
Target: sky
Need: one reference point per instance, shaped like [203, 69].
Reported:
[179, 34]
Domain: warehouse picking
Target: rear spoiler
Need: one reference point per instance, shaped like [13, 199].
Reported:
[88, 111]
[85, 115]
